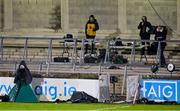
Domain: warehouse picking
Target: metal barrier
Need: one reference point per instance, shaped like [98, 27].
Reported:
[76, 45]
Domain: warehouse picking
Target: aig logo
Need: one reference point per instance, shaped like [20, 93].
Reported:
[159, 90]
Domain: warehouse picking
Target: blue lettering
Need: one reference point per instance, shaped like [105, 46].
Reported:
[64, 88]
[160, 90]
[38, 90]
[6, 89]
[53, 92]
[45, 88]
[71, 90]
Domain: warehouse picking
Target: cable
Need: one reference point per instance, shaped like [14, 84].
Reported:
[164, 22]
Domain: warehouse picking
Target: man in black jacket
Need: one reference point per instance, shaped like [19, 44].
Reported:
[160, 35]
[90, 31]
[23, 74]
[22, 91]
[145, 28]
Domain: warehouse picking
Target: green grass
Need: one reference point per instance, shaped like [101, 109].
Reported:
[87, 107]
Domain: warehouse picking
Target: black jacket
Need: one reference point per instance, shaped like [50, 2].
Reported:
[91, 28]
[161, 36]
[23, 75]
[145, 28]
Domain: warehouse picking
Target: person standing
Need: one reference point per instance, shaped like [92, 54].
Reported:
[22, 91]
[160, 35]
[145, 28]
[90, 30]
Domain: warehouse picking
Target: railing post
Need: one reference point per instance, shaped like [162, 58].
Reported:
[15, 67]
[107, 53]
[132, 53]
[49, 58]
[47, 69]
[74, 55]
[124, 80]
[75, 52]
[82, 52]
[158, 56]
[25, 50]
[40, 68]
[1, 48]
[100, 69]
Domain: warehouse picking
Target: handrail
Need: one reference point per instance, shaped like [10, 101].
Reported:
[75, 39]
[55, 38]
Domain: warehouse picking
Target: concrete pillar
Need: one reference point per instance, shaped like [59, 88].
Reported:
[122, 23]
[65, 15]
[8, 15]
[178, 16]
[1, 14]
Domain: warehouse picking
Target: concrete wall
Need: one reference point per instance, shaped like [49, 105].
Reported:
[1, 14]
[167, 9]
[111, 14]
[105, 11]
[178, 16]
[33, 13]
[7, 15]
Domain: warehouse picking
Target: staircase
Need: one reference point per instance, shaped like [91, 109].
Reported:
[174, 55]
[38, 51]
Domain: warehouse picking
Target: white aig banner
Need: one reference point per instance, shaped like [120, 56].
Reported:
[132, 82]
[50, 89]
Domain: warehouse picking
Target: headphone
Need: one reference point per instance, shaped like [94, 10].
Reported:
[144, 18]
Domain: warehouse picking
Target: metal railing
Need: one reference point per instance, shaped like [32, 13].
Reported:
[77, 45]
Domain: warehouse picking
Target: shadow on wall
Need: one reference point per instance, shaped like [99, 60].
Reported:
[1, 15]
[55, 20]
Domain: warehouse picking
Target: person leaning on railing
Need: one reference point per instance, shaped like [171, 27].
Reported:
[160, 35]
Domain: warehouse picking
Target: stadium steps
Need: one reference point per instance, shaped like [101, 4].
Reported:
[67, 71]
[175, 56]
[41, 54]
[38, 53]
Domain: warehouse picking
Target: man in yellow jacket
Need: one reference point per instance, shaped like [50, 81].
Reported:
[90, 31]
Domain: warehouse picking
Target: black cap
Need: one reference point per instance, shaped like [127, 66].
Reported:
[91, 16]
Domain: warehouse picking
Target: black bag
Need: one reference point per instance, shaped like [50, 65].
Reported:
[82, 97]
[4, 98]
[153, 48]
[61, 59]
[118, 42]
[113, 79]
[90, 59]
[102, 54]
[118, 59]
[70, 37]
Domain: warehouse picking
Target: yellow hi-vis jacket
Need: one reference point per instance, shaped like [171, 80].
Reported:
[91, 28]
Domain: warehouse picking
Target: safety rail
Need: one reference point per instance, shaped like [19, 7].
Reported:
[76, 47]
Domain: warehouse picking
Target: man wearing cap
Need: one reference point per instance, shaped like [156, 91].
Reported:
[90, 31]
